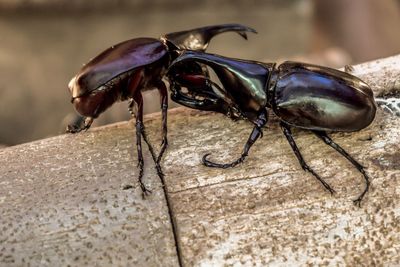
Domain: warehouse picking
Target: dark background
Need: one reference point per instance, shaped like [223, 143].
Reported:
[44, 43]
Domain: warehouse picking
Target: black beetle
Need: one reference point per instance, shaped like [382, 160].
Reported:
[302, 95]
[126, 69]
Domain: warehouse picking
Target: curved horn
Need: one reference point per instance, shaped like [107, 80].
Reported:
[198, 38]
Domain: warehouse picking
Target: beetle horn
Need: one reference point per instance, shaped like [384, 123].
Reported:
[198, 38]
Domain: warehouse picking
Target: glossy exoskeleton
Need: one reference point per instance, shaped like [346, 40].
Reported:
[126, 69]
[306, 96]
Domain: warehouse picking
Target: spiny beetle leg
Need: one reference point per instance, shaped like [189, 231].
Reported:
[140, 132]
[288, 134]
[255, 134]
[153, 155]
[138, 98]
[324, 137]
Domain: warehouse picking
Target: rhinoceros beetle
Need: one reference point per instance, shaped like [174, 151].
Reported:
[306, 96]
[126, 69]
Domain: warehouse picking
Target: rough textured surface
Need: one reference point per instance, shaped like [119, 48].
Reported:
[62, 203]
[268, 211]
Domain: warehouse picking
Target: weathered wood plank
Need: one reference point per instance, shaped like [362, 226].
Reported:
[62, 203]
[269, 211]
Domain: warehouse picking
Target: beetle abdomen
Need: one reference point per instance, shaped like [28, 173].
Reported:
[320, 98]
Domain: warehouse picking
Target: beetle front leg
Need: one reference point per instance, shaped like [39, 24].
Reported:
[140, 132]
[255, 134]
[143, 132]
[205, 104]
[76, 129]
[327, 140]
[138, 99]
[288, 133]
[210, 101]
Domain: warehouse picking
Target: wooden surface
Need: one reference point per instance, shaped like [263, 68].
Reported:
[62, 203]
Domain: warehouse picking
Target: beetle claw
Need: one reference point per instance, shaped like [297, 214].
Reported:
[74, 129]
[71, 129]
[331, 190]
[208, 163]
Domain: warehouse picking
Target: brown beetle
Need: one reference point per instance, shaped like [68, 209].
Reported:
[126, 69]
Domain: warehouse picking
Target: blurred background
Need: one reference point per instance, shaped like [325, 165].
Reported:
[45, 42]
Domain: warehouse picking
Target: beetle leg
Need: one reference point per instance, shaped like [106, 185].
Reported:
[140, 132]
[164, 108]
[138, 99]
[178, 97]
[153, 155]
[255, 134]
[288, 133]
[210, 101]
[324, 137]
[130, 107]
[76, 129]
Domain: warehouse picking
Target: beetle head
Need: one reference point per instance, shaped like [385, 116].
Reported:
[88, 102]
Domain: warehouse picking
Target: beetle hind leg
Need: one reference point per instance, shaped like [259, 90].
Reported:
[327, 140]
[288, 134]
[255, 134]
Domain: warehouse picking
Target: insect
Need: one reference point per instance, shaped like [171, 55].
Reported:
[314, 98]
[126, 69]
